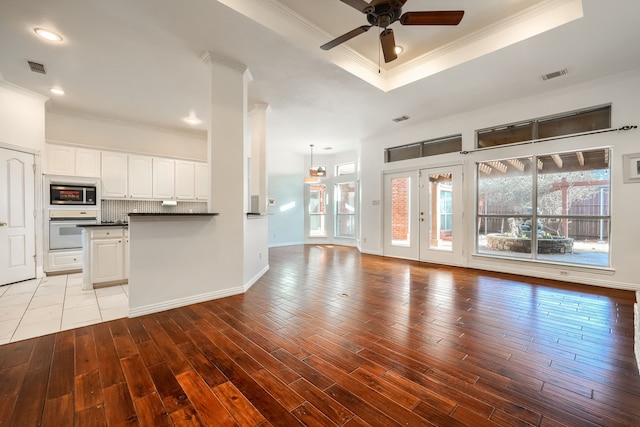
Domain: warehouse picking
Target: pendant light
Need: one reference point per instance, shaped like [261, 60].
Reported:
[311, 179]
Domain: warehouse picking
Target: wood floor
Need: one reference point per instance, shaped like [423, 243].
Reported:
[330, 337]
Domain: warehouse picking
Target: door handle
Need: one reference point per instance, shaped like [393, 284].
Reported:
[2, 224]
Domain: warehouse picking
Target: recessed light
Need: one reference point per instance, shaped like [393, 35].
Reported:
[399, 49]
[192, 120]
[56, 91]
[48, 35]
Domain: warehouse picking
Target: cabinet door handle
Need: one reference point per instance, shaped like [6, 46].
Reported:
[2, 223]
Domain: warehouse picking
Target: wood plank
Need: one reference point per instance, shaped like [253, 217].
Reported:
[330, 408]
[138, 379]
[58, 411]
[108, 359]
[151, 412]
[88, 391]
[119, 406]
[172, 395]
[186, 417]
[29, 405]
[210, 410]
[243, 412]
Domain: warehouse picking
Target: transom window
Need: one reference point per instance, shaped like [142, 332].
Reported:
[573, 122]
[431, 147]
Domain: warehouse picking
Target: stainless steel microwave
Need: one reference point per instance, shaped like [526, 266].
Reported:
[68, 194]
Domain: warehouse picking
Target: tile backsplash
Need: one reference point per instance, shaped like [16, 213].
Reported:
[117, 210]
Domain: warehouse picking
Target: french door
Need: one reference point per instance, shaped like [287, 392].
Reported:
[423, 215]
[17, 222]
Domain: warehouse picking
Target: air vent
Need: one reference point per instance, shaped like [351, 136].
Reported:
[554, 74]
[400, 119]
[37, 67]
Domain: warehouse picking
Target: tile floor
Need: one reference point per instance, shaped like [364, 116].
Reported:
[56, 303]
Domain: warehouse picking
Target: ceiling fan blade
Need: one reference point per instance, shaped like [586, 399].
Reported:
[360, 5]
[388, 43]
[343, 38]
[444, 17]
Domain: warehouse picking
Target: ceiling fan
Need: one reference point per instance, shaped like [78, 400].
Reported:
[382, 13]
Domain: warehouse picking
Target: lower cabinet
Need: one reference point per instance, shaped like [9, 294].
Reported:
[64, 261]
[107, 262]
[106, 253]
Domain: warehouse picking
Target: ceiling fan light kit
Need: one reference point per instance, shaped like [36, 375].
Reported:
[382, 13]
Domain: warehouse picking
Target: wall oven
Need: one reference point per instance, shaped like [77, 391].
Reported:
[63, 230]
[68, 194]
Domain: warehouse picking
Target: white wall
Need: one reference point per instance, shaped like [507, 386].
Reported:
[286, 218]
[98, 132]
[256, 249]
[21, 117]
[622, 91]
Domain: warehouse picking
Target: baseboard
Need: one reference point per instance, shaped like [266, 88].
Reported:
[255, 278]
[181, 302]
[370, 252]
[279, 245]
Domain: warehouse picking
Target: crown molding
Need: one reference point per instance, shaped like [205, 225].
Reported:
[22, 91]
[544, 16]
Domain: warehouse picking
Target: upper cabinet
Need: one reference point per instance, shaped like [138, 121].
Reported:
[114, 175]
[163, 178]
[140, 177]
[73, 161]
[132, 176]
[185, 180]
[201, 190]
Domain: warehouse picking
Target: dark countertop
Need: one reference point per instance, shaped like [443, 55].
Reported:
[105, 224]
[174, 214]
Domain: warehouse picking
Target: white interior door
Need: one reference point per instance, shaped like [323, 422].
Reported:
[17, 221]
[401, 237]
[440, 215]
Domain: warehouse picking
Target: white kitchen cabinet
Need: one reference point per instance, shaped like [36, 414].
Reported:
[140, 177]
[87, 162]
[114, 175]
[201, 184]
[72, 161]
[107, 255]
[61, 159]
[184, 180]
[163, 178]
[64, 261]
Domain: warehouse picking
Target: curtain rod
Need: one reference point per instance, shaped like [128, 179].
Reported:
[535, 141]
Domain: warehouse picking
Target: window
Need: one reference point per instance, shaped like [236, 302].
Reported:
[431, 147]
[317, 210]
[546, 127]
[345, 197]
[346, 169]
[552, 208]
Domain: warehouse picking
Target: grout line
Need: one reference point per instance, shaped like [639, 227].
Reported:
[26, 307]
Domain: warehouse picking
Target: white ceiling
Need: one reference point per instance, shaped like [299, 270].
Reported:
[140, 60]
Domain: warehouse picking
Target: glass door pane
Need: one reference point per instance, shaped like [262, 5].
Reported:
[400, 222]
[400, 211]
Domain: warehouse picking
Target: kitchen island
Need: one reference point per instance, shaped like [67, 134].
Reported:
[174, 261]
